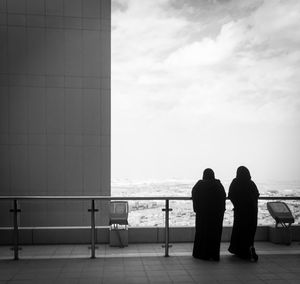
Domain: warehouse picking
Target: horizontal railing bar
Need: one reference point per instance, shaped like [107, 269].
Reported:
[279, 198]
[92, 197]
[61, 197]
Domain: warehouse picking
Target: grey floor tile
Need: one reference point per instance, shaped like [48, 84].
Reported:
[152, 273]
[293, 281]
[157, 278]
[136, 280]
[69, 275]
[258, 281]
[21, 282]
[181, 279]
[154, 268]
[7, 275]
[206, 281]
[61, 280]
[133, 268]
[90, 280]
[135, 274]
[25, 276]
[159, 281]
[91, 274]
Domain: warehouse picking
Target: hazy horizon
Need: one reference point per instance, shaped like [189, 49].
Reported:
[199, 84]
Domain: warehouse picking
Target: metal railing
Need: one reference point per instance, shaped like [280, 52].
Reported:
[16, 211]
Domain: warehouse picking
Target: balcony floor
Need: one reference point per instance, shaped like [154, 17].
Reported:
[144, 263]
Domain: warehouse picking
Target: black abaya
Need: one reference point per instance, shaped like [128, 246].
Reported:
[243, 194]
[209, 204]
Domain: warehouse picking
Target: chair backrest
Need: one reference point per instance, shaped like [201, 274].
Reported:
[280, 212]
[118, 213]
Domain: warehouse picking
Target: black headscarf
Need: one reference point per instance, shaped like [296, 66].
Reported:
[208, 174]
[243, 173]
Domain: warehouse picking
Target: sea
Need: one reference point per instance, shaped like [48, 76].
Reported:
[146, 213]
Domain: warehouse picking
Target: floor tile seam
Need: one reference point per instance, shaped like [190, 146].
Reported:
[35, 278]
[192, 275]
[265, 252]
[178, 275]
[26, 270]
[10, 278]
[92, 271]
[69, 270]
[147, 276]
[117, 271]
[171, 268]
[270, 278]
[61, 268]
[85, 257]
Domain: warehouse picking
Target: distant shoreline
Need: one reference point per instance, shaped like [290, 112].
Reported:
[149, 213]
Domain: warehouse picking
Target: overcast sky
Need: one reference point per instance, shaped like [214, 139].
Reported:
[199, 84]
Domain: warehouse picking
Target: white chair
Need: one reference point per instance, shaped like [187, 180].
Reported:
[118, 213]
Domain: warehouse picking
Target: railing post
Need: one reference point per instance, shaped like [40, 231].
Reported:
[166, 245]
[16, 210]
[93, 229]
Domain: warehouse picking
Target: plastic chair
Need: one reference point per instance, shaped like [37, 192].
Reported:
[282, 214]
[118, 213]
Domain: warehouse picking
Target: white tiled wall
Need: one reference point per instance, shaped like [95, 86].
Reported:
[54, 106]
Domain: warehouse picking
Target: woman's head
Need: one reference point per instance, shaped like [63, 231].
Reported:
[243, 173]
[208, 174]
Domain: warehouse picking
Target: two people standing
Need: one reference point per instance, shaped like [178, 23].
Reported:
[209, 205]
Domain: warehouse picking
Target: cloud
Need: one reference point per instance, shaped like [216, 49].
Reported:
[205, 52]
[119, 5]
[179, 66]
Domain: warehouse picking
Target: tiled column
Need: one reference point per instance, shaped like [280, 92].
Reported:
[54, 106]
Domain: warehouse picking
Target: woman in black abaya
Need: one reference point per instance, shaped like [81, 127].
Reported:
[209, 204]
[243, 194]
